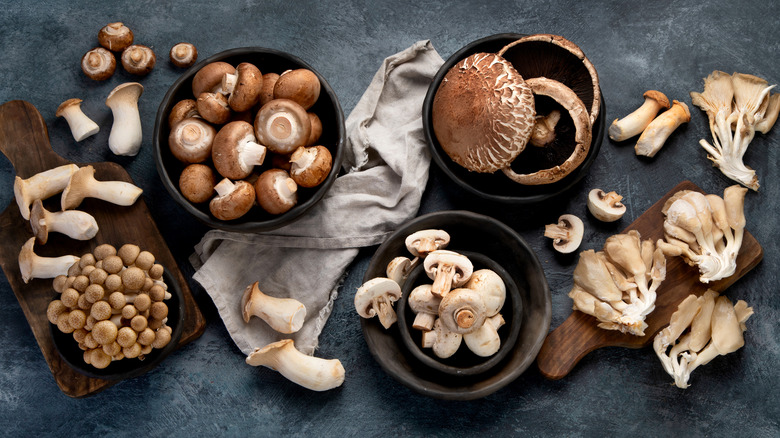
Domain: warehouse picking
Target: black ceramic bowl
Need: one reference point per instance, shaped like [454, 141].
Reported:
[481, 234]
[498, 187]
[268, 61]
[463, 362]
[68, 348]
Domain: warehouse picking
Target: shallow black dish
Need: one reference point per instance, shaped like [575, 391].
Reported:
[498, 187]
[481, 234]
[268, 61]
[463, 362]
[70, 352]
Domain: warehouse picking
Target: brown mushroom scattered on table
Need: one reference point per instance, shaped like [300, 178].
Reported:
[183, 55]
[300, 85]
[285, 315]
[126, 131]
[604, 206]
[235, 151]
[42, 185]
[213, 107]
[75, 224]
[310, 165]
[191, 140]
[138, 59]
[282, 126]
[98, 64]
[209, 78]
[243, 86]
[80, 125]
[196, 183]
[33, 266]
[83, 184]
[276, 191]
[233, 200]
[183, 109]
[566, 234]
[115, 36]
[636, 122]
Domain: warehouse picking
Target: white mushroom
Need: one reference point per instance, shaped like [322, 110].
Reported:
[43, 185]
[34, 266]
[399, 268]
[636, 122]
[462, 311]
[491, 288]
[285, 315]
[447, 269]
[75, 224]
[566, 234]
[80, 125]
[654, 136]
[485, 341]
[376, 297]
[423, 242]
[83, 184]
[126, 133]
[443, 342]
[605, 206]
[425, 306]
[310, 372]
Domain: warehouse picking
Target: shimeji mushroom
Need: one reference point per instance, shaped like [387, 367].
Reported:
[83, 184]
[191, 140]
[376, 298]
[282, 125]
[310, 372]
[32, 265]
[636, 122]
[444, 343]
[126, 133]
[300, 85]
[75, 224]
[233, 200]
[604, 206]
[80, 125]
[658, 131]
[310, 165]
[98, 64]
[42, 185]
[138, 59]
[447, 269]
[183, 55]
[566, 234]
[235, 151]
[285, 315]
[243, 86]
[425, 307]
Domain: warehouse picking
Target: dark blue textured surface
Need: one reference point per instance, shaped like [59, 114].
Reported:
[206, 388]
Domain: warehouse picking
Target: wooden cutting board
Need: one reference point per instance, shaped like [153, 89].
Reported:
[24, 140]
[578, 335]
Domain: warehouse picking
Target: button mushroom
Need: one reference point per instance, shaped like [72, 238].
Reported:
[98, 64]
[605, 207]
[636, 122]
[376, 298]
[235, 151]
[462, 311]
[285, 315]
[425, 307]
[423, 242]
[126, 133]
[443, 342]
[300, 85]
[276, 191]
[448, 270]
[75, 224]
[209, 77]
[282, 126]
[310, 372]
[233, 200]
[138, 59]
[33, 266]
[183, 109]
[191, 140]
[115, 36]
[196, 183]
[566, 234]
[310, 165]
[484, 341]
[183, 55]
[213, 107]
[83, 184]
[491, 288]
[654, 136]
[244, 86]
[80, 125]
[42, 186]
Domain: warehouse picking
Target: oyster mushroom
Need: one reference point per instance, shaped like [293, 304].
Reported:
[115, 36]
[75, 224]
[443, 342]
[138, 59]
[80, 125]
[235, 151]
[183, 55]
[310, 372]
[98, 64]
[126, 133]
[285, 315]
[233, 200]
[33, 266]
[282, 126]
[83, 184]
[276, 191]
[376, 298]
[605, 207]
[636, 122]
[310, 166]
[462, 311]
[244, 86]
[300, 85]
[448, 270]
[425, 307]
[654, 136]
[192, 140]
[42, 186]
[209, 78]
[566, 234]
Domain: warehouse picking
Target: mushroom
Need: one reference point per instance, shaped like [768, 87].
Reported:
[425, 306]
[32, 265]
[605, 207]
[636, 122]
[423, 242]
[285, 315]
[276, 191]
[126, 133]
[232, 200]
[42, 185]
[98, 64]
[448, 270]
[267, 90]
[300, 85]
[80, 125]
[209, 77]
[282, 126]
[183, 109]
[192, 140]
[443, 342]
[310, 372]
[483, 113]
[183, 55]
[544, 129]
[75, 224]
[399, 268]
[491, 288]
[213, 107]
[244, 86]
[316, 129]
[654, 136]
[484, 341]
[376, 297]
[115, 36]
[83, 184]
[138, 59]
[196, 183]
[462, 311]
[310, 165]
[770, 115]
[566, 234]
[235, 151]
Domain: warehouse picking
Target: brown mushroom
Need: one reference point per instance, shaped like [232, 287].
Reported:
[316, 129]
[267, 90]
[98, 64]
[235, 152]
[183, 109]
[213, 107]
[115, 36]
[276, 191]
[191, 140]
[209, 78]
[282, 125]
[233, 200]
[244, 86]
[310, 165]
[300, 85]
[138, 59]
[196, 183]
[183, 55]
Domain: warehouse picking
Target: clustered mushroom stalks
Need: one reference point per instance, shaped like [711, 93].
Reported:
[706, 230]
[566, 233]
[310, 372]
[618, 285]
[737, 106]
[701, 329]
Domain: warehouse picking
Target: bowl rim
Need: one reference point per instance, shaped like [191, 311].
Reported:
[558, 188]
[274, 222]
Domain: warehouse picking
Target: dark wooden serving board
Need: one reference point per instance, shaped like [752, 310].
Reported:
[24, 140]
[578, 335]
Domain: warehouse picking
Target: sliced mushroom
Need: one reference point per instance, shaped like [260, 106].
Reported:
[98, 64]
[654, 136]
[605, 206]
[448, 270]
[42, 186]
[285, 315]
[310, 166]
[209, 78]
[80, 125]
[423, 242]
[244, 86]
[191, 140]
[115, 36]
[196, 183]
[282, 126]
[636, 122]
[126, 132]
[300, 85]
[83, 184]
[566, 234]
[462, 311]
[276, 191]
[310, 372]
[183, 55]
[33, 266]
[75, 224]
[376, 298]
[233, 200]
[138, 59]
[425, 306]
[235, 151]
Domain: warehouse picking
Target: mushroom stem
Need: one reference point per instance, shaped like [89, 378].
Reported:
[80, 125]
[654, 136]
[285, 315]
[229, 82]
[43, 185]
[544, 129]
[126, 132]
[310, 372]
[636, 122]
[34, 266]
[84, 185]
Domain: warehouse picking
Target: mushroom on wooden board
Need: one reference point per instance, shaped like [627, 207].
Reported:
[235, 151]
[33, 266]
[376, 298]
[75, 224]
[83, 184]
[285, 315]
[80, 125]
[310, 372]
[447, 269]
[98, 64]
[233, 200]
[42, 185]
[566, 234]
[191, 140]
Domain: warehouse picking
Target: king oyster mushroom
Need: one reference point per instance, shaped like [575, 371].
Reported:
[285, 315]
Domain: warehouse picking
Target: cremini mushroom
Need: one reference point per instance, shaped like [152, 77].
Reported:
[115, 36]
[192, 140]
[98, 64]
[425, 307]
[243, 86]
[138, 59]
[654, 136]
[75, 224]
[636, 122]
[604, 206]
[80, 125]
[282, 126]
[300, 85]
[32, 265]
[183, 55]
[566, 234]
[462, 311]
[316, 129]
[310, 165]
[42, 186]
[213, 107]
[444, 343]
[183, 109]
[447, 269]
[233, 200]
[310, 372]
[209, 77]
[276, 191]
[235, 151]
[126, 133]
[285, 315]
[376, 298]
[83, 184]
[196, 183]
[267, 90]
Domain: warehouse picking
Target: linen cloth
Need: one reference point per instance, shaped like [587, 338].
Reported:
[386, 169]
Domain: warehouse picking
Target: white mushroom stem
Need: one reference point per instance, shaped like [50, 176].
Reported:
[41, 186]
[636, 122]
[80, 125]
[126, 132]
[84, 185]
[425, 305]
[285, 315]
[32, 265]
[310, 372]
[250, 153]
[443, 342]
[544, 129]
[229, 82]
[658, 131]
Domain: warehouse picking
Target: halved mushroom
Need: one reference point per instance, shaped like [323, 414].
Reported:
[75, 224]
[233, 200]
[566, 234]
[138, 59]
[282, 125]
[376, 298]
[285, 315]
[191, 140]
[462, 311]
[276, 191]
[310, 165]
[209, 77]
[605, 206]
[33, 266]
[235, 151]
[183, 55]
[98, 64]
[447, 269]
[244, 86]
[42, 186]
[300, 85]
[115, 36]
[425, 306]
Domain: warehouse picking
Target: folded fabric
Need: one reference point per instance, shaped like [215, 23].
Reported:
[386, 169]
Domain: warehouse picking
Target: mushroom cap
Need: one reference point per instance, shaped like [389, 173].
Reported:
[214, 107]
[491, 287]
[196, 183]
[310, 165]
[246, 92]
[138, 59]
[566, 234]
[127, 92]
[209, 77]
[235, 151]
[236, 202]
[659, 97]
[300, 85]
[38, 222]
[372, 289]
[316, 129]
[105, 332]
[183, 109]
[183, 54]
[191, 140]
[115, 36]
[422, 242]
[98, 64]
[67, 104]
[605, 206]
[267, 90]
[483, 113]
[462, 311]
[282, 125]
[276, 191]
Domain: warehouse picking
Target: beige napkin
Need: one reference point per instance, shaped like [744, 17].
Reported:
[386, 165]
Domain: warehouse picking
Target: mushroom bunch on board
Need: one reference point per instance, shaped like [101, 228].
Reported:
[701, 329]
[237, 118]
[618, 285]
[113, 302]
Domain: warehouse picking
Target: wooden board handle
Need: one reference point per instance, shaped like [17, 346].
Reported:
[25, 139]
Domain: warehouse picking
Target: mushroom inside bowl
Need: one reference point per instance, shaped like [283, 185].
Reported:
[333, 137]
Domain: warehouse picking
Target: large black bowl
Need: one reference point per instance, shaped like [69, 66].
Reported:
[268, 61]
[496, 186]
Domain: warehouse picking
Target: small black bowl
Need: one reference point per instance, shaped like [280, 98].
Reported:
[497, 187]
[72, 355]
[463, 362]
[268, 61]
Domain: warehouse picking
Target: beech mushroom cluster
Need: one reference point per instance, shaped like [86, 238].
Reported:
[654, 130]
[701, 329]
[705, 230]
[618, 285]
[737, 107]
[113, 302]
[237, 119]
[100, 63]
